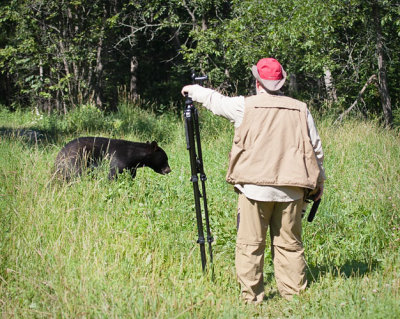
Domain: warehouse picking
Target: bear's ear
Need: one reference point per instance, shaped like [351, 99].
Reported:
[154, 145]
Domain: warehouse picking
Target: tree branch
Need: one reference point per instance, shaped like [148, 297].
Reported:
[369, 81]
[191, 13]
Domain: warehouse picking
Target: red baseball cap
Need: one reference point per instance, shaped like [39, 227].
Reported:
[270, 73]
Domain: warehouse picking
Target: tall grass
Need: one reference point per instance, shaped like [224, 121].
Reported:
[127, 249]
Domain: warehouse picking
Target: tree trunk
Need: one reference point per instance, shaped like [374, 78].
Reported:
[40, 89]
[382, 79]
[132, 88]
[98, 89]
[293, 87]
[330, 88]
[204, 24]
[67, 72]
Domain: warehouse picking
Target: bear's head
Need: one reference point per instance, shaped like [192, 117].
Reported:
[157, 159]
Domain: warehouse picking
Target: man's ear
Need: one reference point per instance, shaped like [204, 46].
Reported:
[154, 145]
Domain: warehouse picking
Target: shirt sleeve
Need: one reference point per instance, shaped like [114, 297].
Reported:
[317, 145]
[231, 108]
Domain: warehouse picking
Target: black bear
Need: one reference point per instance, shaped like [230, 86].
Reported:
[88, 152]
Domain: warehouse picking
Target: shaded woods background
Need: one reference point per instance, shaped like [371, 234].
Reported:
[56, 55]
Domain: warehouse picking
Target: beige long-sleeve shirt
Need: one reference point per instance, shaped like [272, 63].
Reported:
[232, 108]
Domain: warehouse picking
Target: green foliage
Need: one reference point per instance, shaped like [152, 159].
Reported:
[59, 55]
[396, 118]
[308, 37]
[127, 248]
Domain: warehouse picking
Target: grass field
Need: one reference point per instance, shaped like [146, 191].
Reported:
[127, 249]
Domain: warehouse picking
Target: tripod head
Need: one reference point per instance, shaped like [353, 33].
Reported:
[199, 79]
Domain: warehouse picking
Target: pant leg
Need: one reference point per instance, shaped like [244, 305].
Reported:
[287, 248]
[253, 220]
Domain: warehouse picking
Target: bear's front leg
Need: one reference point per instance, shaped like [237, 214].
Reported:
[114, 170]
[133, 172]
[112, 174]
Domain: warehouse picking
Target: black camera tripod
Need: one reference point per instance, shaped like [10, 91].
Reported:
[193, 145]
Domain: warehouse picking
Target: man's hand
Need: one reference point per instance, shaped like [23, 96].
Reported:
[186, 89]
[319, 190]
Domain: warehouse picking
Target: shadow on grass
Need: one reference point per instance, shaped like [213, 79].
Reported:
[31, 136]
[350, 269]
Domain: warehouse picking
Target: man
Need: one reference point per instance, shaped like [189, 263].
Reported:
[276, 160]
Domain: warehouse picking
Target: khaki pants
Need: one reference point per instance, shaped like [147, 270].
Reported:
[284, 220]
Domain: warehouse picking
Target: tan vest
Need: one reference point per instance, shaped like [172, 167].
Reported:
[272, 145]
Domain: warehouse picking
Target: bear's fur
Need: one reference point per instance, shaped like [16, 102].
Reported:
[88, 152]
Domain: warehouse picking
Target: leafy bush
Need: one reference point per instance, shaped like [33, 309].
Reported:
[85, 118]
[396, 118]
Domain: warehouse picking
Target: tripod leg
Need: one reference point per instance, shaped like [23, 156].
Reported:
[194, 179]
[210, 239]
[203, 178]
